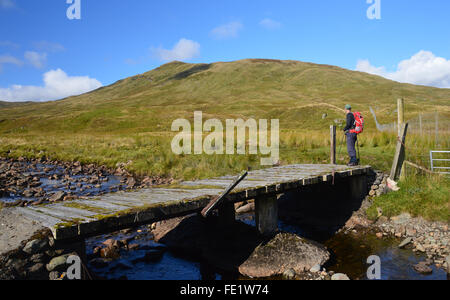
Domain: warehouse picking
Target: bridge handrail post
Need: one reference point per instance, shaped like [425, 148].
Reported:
[333, 144]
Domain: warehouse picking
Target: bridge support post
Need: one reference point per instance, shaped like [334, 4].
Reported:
[266, 215]
[227, 214]
[77, 247]
[358, 187]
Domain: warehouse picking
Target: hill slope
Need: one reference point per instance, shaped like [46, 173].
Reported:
[297, 93]
[129, 121]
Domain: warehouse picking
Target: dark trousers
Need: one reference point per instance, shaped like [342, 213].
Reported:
[351, 141]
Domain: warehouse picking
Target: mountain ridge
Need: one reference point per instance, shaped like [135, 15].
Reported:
[257, 88]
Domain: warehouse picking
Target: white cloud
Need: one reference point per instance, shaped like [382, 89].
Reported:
[270, 24]
[7, 4]
[423, 68]
[46, 46]
[183, 50]
[57, 85]
[230, 30]
[8, 59]
[36, 59]
[9, 44]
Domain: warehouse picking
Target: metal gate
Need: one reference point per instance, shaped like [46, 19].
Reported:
[440, 169]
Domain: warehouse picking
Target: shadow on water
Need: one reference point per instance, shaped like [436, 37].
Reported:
[350, 252]
[172, 264]
[316, 213]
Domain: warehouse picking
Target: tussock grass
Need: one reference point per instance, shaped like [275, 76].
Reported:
[130, 120]
[151, 154]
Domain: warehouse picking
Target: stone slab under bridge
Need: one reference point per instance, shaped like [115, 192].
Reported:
[83, 218]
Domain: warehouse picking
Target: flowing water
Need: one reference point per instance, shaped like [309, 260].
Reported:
[349, 253]
[79, 185]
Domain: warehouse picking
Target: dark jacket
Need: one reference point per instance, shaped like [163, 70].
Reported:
[350, 122]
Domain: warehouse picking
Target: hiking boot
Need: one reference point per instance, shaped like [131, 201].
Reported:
[353, 162]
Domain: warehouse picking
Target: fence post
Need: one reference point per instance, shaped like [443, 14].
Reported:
[403, 172]
[431, 161]
[420, 124]
[436, 130]
[400, 111]
[333, 144]
[399, 154]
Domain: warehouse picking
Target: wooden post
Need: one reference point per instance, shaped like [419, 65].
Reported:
[266, 215]
[420, 124]
[333, 144]
[400, 111]
[399, 155]
[403, 172]
[436, 130]
[227, 214]
[78, 247]
[358, 187]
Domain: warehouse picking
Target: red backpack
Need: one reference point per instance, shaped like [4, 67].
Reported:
[359, 123]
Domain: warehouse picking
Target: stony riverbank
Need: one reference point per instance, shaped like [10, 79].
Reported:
[238, 251]
[36, 181]
[36, 259]
[429, 238]
[424, 237]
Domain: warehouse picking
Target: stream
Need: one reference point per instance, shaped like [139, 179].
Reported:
[349, 252]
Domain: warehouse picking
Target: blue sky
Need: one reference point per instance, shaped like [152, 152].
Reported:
[116, 39]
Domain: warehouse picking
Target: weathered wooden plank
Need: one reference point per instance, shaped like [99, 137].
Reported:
[74, 213]
[57, 212]
[161, 202]
[43, 219]
[100, 204]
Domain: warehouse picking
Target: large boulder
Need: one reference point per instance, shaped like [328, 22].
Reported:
[238, 247]
[284, 252]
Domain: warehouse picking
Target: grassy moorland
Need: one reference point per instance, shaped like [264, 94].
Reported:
[426, 196]
[130, 121]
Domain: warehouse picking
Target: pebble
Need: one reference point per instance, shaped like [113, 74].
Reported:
[289, 274]
[420, 248]
[315, 269]
[35, 246]
[339, 276]
[405, 242]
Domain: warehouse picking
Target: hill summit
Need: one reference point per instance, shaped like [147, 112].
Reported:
[299, 94]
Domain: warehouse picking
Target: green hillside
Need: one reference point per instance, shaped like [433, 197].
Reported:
[296, 93]
[129, 121]
[4, 104]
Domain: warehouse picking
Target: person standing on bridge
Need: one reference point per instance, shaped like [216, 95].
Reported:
[352, 137]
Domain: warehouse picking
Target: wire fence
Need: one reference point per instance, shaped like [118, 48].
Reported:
[434, 124]
[430, 147]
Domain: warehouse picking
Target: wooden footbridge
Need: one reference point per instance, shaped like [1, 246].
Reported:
[78, 219]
